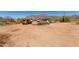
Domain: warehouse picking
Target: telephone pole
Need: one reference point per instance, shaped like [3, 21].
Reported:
[64, 17]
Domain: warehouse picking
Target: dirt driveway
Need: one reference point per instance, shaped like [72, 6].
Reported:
[53, 35]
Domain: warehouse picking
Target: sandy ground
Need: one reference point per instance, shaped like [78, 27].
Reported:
[53, 35]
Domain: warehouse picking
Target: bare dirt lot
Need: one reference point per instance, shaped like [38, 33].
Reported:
[53, 35]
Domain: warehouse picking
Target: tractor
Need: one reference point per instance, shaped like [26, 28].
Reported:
[26, 21]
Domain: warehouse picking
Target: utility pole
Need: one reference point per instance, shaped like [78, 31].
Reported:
[64, 17]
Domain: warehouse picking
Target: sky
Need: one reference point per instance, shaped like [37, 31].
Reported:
[20, 14]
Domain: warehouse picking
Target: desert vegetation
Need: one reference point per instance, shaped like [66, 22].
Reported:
[40, 19]
[6, 20]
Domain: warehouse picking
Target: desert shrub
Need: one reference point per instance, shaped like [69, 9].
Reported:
[54, 19]
[65, 19]
[50, 20]
[4, 39]
[6, 20]
[19, 20]
[43, 22]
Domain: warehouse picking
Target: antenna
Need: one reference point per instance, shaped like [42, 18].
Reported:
[64, 13]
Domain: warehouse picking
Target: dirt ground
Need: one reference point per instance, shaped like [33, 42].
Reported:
[53, 35]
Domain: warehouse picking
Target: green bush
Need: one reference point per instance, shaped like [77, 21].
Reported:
[19, 20]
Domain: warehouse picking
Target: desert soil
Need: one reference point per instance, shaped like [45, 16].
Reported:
[53, 35]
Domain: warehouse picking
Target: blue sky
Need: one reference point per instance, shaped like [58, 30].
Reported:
[20, 14]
